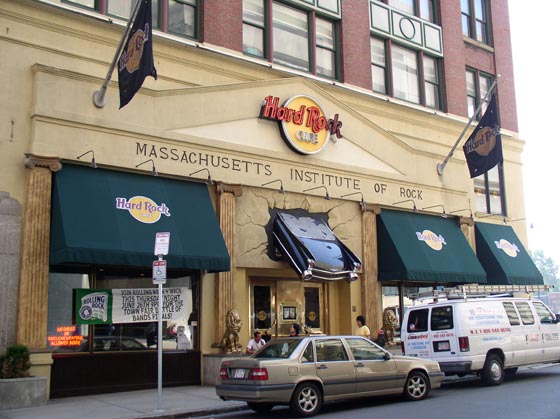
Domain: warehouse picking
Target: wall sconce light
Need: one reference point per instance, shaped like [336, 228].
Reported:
[154, 171]
[464, 209]
[414, 209]
[327, 196]
[209, 180]
[281, 190]
[93, 163]
[362, 201]
[443, 214]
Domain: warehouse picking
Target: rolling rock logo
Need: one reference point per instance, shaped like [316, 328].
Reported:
[509, 249]
[143, 209]
[303, 123]
[95, 306]
[431, 239]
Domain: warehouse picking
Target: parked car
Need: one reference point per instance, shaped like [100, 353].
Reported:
[306, 371]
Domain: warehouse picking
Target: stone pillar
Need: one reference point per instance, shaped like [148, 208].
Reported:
[372, 308]
[225, 282]
[467, 227]
[34, 272]
[10, 235]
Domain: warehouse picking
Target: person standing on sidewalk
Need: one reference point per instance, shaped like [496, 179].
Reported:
[362, 329]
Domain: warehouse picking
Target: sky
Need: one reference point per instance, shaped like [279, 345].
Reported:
[534, 29]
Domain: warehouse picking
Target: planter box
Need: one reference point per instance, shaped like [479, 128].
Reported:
[17, 393]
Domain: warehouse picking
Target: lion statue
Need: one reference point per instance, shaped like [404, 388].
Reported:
[230, 341]
[389, 323]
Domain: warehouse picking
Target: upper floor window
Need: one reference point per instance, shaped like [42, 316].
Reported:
[290, 36]
[424, 9]
[488, 194]
[405, 73]
[478, 85]
[178, 17]
[474, 18]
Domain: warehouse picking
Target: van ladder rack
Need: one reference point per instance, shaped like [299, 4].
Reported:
[479, 291]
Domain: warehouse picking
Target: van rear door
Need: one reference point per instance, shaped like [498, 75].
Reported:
[415, 338]
[443, 336]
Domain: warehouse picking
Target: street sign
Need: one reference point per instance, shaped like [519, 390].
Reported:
[162, 244]
[159, 271]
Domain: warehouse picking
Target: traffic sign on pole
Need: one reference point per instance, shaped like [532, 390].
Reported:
[162, 244]
[159, 271]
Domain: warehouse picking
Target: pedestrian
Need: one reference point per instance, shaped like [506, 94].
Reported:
[362, 329]
[294, 329]
[255, 344]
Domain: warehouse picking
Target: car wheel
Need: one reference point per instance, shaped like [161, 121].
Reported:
[493, 371]
[416, 386]
[511, 371]
[306, 400]
[260, 407]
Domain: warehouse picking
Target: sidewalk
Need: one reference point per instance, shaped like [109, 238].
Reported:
[177, 402]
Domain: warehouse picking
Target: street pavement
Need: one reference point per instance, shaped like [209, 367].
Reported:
[176, 403]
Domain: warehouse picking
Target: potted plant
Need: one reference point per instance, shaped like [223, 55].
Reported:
[17, 388]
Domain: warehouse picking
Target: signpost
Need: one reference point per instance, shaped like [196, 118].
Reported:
[159, 275]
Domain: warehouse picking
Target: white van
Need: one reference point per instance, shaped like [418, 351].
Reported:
[484, 334]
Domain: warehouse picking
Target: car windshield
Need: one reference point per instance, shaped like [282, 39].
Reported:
[280, 348]
[308, 227]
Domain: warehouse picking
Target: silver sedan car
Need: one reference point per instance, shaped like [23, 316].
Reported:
[307, 371]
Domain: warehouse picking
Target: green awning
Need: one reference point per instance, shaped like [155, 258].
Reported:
[108, 217]
[426, 248]
[503, 256]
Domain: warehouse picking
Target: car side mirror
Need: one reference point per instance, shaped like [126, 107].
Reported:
[556, 318]
[387, 356]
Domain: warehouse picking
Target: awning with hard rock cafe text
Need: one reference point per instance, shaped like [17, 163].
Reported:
[503, 256]
[425, 248]
[108, 217]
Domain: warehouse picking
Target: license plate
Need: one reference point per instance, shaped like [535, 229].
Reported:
[239, 373]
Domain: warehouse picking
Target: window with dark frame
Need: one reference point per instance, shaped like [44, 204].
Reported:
[424, 9]
[488, 187]
[297, 37]
[178, 17]
[405, 73]
[474, 20]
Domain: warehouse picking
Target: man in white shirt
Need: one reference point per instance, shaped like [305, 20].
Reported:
[255, 344]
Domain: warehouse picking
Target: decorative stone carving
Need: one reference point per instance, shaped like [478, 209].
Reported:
[230, 341]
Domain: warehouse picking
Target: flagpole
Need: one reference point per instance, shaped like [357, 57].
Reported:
[99, 95]
[441, 166]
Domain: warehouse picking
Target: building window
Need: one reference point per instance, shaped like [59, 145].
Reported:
[474, 17]
[405, 73]
[478, 85]
[424, 9]
[178, 17]
[293, 37]
[488, 194]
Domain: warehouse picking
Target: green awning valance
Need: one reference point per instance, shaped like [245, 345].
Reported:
[111, 218]
[426, 248]
[503, 256]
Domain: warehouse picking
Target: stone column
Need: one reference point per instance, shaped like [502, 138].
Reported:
[34, 272]
[467, 227]
[372, 308]
[10, 235]
[225, 282]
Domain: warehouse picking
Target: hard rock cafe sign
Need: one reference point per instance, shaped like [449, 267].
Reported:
[303, 123]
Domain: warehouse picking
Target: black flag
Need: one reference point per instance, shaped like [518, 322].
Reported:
[137, 58]
[483, 149]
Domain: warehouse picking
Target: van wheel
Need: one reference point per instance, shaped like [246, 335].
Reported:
[493, 371]
[306, 400]
[416, 386]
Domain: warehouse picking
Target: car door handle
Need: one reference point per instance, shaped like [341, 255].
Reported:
[322, 367]
[359, 365]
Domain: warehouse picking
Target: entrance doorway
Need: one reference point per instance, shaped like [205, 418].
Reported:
[276, 304]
